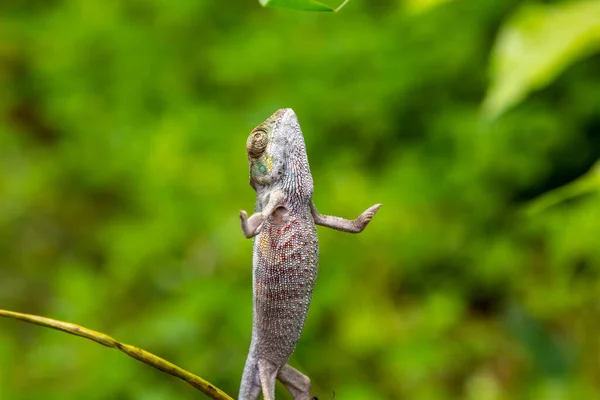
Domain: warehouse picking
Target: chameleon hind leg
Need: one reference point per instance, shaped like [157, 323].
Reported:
[250, 388]
[267, 371]
[295, 381]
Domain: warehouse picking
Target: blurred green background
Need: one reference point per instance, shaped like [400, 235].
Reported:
[123, 170]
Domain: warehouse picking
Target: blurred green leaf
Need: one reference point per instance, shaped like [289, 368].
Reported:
[307, 5]
[421, 6]
[535, 46]
[586, 184]
[539, 342]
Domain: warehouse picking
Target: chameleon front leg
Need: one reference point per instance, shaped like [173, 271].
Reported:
[252, 226]
[346, 225]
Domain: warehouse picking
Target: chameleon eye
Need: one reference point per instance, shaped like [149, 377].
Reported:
[257, 143]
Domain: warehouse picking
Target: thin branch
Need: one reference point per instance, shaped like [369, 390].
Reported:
[139, 354]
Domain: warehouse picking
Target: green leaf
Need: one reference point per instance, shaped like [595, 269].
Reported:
[586, 184]
[535, 46]
[307, 5]
[422, 6]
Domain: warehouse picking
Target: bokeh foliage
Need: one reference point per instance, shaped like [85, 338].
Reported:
[122, 132]
[305, 5]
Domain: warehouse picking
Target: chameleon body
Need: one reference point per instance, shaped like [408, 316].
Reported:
[286, 253]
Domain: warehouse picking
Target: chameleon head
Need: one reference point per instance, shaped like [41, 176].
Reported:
[272, 146]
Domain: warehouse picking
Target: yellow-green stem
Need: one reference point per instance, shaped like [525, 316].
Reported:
[139, 354]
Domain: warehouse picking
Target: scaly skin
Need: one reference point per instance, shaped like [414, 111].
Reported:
[286, 253]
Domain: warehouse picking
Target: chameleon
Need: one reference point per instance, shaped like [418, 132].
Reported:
[285, 253]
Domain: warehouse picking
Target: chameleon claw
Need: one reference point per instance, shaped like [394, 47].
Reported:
[373, 209]
[316, 398]
[251, 226]
[244, 223]
[363, 220]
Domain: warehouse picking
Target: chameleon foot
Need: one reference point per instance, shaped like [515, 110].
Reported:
[251, 226]
[363, 219]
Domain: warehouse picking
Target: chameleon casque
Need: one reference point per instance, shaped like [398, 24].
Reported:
[286, 253]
